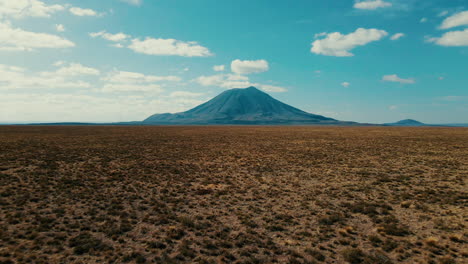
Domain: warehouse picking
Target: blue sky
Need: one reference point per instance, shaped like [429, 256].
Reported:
[120, 60]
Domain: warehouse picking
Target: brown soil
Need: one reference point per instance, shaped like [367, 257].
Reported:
[233, 195]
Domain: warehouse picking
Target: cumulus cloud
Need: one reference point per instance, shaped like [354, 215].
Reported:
[397, 36]
[456, 20]
[423, 20]
[73, 69]
[222, 80]
[152, 46]
[395, 78]
[16, 39]
[272, 88]
[27, 8]
[60, 28]
[218, 68]
[452, 39]
[339, 45]
[371, 4]
[52, 107]
[111, 37]
[443, 13]
[181, 94]
[133, 2]
[124, 81]
[73, 75]
[248, 67]
[56, 94]
[345, 84]
[129, 87]
[170, 47]
[136, 77]
[16, 78]
[117, 45]
[77, 11]
[229, 81]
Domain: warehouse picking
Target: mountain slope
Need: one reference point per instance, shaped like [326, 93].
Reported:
[406, 122]
[241, 106]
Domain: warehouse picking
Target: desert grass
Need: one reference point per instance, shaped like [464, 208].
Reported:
[233, 195]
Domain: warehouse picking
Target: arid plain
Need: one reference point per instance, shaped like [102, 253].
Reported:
[233, 194]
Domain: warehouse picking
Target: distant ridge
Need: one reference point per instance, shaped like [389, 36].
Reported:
[243, 106]
[406, 122]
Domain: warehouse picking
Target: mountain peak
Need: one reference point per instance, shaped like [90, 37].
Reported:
[241, 106]
[406, 122]
[409, 121]
[250, 89]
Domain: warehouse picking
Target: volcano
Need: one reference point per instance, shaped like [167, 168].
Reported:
[406, 122]
[242, 106]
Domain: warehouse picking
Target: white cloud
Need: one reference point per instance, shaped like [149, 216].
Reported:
[423, 20]
[111, 37]
[124, 81]
[397, 36]
[79, 107]
[58, 63]
[229, 81]
[135, 77]
[443, 13]
[63, 95]
[452, 39]
[21, 40]
[248, 67]
[27, 8]
[73, 69]
[60, 28]
[393, 107]
[117, 45]
[339, 45]
[15, 78]
[459, 19]
[345, 84]
[133, 2]
[318, 35]
[271, 88]
[129, 87]
[77, 11]
[151, 46]
[371, 4]
[71, 75]
[236, 77]
[441, 78]
[218, 68]
[395, 78]
[185, 94]
[213, 80]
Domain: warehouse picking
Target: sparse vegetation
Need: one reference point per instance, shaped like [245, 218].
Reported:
[233, 195]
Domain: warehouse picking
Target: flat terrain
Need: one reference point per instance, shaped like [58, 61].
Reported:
[233, 195]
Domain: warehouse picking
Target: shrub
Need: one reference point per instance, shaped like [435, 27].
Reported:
[331, 219]
[85, 242]
[315, 253]
[353, 255]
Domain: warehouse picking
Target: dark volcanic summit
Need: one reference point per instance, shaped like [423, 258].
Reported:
[242, 106]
